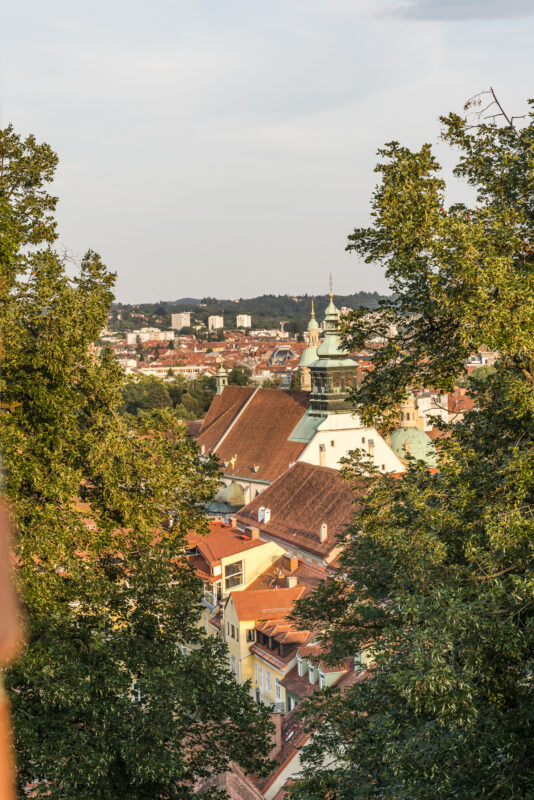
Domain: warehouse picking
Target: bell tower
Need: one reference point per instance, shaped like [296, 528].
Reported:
[333, 373]
[221, 378]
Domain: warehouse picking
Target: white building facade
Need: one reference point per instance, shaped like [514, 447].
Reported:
[215, 322]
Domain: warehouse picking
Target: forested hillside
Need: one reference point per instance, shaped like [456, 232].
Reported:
[267, 310]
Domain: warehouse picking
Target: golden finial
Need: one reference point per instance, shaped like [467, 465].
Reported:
[313, 309]
[331, 292]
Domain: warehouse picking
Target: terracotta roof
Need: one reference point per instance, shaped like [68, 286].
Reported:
[300, 501]
[223, 410]
[193, 427]
[220, 542]
[458, 402]
[275, 576]
[251, 604]
[258, 441]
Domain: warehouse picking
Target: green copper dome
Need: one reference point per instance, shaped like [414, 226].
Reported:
[331, 348]
[308, 356]
[413, 442]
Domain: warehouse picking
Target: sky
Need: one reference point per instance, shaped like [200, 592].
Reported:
[227, 147]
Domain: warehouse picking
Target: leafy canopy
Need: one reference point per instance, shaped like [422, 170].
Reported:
[119, 693]
[437, 575]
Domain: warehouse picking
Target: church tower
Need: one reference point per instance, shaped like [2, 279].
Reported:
[221, 378]
[333, 373]
[310, 353]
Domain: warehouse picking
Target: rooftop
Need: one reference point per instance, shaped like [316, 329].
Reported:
[221, 541]
[300, 501]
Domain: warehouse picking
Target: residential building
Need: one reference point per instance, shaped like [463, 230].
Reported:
[244, 321]
[215, 322]
[181, 320]
[149, 335]
[261, 641]
[226, 560]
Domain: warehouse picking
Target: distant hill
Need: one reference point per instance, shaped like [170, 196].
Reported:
[266, 311]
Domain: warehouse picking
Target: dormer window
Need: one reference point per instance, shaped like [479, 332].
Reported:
[300, 669]
[321, 679]
[311, 676]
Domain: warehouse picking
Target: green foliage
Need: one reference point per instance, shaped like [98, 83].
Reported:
[240, 376]
[461, 276]
[436, 577]
[273, 383]
[102, 506]
[190, 399]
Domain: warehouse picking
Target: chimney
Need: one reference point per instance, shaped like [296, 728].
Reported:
[276, 741]
[323, 532]
[233, 522]
[267, 515]
[291, 581]
[290, 562]
[254, 533]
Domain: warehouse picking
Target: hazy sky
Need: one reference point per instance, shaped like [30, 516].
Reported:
[226, 147]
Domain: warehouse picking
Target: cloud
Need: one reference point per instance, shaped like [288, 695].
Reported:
[462, 9]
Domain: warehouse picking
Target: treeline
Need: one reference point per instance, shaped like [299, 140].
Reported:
[266, 311]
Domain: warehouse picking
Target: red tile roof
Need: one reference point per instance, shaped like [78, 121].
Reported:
[220, 542]
[259, 438]
[300, 501]
[223, 410]
[260, 604]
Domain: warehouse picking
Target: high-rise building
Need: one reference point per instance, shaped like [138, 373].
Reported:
[244, 321]
[215, 322]
[181, 320]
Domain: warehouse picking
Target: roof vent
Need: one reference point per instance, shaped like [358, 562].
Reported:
[291, 581]
[323, 532]
[255, 468]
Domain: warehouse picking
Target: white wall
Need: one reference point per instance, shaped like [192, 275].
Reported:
[346, 434]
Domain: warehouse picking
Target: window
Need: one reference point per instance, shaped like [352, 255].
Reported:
[267, 681]
[321, 679]
[250, 635]
[255, 673]
[232, 662]
[261, 677]
[233, 574]
[299, 666]
[239, 671]
[137, 697]
[363, 439]
[228, 628]
[233, 632]
[278, 690]
[332, 443]
[310, 673]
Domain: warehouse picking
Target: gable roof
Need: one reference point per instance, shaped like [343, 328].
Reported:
[257, 604]
[220, 542]
[300, 501]
[222, 412]
[257, 431]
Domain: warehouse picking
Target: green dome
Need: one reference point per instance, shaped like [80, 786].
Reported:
[313, 325]
[415, 443]
[308, 356]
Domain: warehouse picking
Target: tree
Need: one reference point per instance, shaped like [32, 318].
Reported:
[436, 576]
[145, 394]
[240, 376]
[120, 693]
